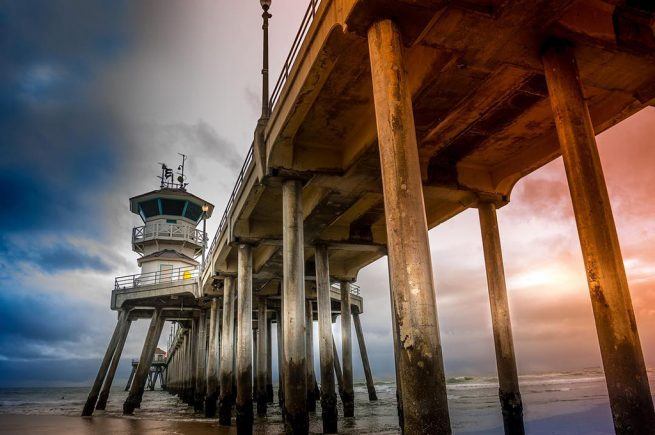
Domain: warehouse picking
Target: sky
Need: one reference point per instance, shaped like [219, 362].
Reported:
[93, 94]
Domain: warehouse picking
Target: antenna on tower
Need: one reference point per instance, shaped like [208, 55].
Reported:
[166, 174]
[181, 178]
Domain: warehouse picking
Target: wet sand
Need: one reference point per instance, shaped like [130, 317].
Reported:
[55, 424]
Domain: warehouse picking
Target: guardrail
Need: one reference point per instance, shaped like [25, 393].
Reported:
[307, 20]
[354, 288]
[168, 231]
[230, 202]
[189, 273]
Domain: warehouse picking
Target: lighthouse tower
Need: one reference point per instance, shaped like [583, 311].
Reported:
[169, 242]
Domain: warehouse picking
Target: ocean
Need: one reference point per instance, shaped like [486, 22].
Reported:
[573, 402]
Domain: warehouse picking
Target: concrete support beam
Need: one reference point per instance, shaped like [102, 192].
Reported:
[226, 370]
[91, 400]
[623, 361]
[372, 396]
[326, 352]
[135, 395]
[396, 352]
[269, 359]
[244, 340]
[421, 363]
[510, 397]
[295, 364]
[309, 348]
[115, 360]
[348, 396]
[211, 397]
[262, 351]
[201, 363]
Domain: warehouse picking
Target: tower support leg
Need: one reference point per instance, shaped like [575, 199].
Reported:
[620, 348]
[337, 370]
[226, 398]
[326, 349]
[295, 362]
[244, 340]
[106, 386]
[370, 386]
[269, 360]
[421, 363]
[91, 400]
[130, 378]
[135, 395]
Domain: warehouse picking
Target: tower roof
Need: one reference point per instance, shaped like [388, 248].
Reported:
[170, 202]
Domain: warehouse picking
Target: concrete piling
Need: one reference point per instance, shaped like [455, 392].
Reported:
[244, 411]
[212, 387]
[337, 370]
[510, 396]
[309, 348]
[347, 352]
[295, 368]
[201, 363]
[262, 359]
[421, 362]
[116, 358]
[135, 395]
[370, 386]
[226, 370]
[269, 359]
[326, 352]
[91, 400]
[623, 361]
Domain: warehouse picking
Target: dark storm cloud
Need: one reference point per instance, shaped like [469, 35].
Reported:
[59, 143]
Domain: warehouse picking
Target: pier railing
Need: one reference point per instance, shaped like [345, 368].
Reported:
[354, 288]
[159, 230]
[305, 24]
[172, 276]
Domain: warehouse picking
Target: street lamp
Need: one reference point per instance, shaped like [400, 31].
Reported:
[266, 4]
[205, 208]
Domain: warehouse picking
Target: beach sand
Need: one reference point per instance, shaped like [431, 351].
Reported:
[55, 424]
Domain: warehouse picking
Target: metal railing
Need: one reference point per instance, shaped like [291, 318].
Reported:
[354, 288]
[307, 20]
[158, 230]
[230, 202]
[172, 276]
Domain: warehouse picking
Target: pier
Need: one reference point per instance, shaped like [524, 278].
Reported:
[389, 118]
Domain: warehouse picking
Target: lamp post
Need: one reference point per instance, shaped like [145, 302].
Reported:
[266, 4]
[205, 208]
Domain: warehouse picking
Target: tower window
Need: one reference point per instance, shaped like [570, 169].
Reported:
[193, 211]
[172, 207]
[149, 208]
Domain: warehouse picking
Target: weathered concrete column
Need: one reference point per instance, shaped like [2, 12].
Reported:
[309, 348]
[623, 361]
[262, 350]
[244, 340]
[226, 370]
[135, 395]
[421, 364]
[370, 386]
[326, 352]
[396, 355]
[280, 360]
[337, 370]
[269, 359]
[295, 363]
[91, 400]
[115, 360]
[201, 362]
[508, 380]
[348, 396]
[212, 361]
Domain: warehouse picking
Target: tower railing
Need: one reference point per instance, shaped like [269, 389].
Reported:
[181, 275]
[159, 230]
